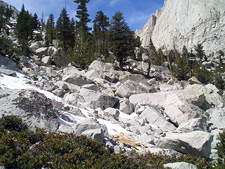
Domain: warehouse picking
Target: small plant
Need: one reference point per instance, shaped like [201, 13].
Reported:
[220, 164]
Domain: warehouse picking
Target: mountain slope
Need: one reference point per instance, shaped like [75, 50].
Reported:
[187, 22]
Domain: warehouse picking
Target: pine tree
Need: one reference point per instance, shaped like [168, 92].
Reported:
[82, 15]
[101, 24]
[199, 52]
[24, 29]
[151, 56]
[121, 42]
[221, 54]
[181, 69]
[84, 45]
[50, 30]
[63, 28]
[35, 22]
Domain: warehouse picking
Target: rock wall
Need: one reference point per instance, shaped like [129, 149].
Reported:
[187, 22]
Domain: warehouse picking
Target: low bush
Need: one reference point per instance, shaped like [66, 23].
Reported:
[21, 148]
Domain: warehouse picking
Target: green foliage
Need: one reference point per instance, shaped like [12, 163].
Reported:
[82, 15]
[121, 38]
[220, 163]
[199, 52]
[221, 54]
[101, 24]
[5, 14]
[50, 30]
[21, 148]
[24, 30]
[64, 30]
[181, 69]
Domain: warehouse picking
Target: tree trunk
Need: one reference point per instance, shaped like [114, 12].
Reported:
[168, 60]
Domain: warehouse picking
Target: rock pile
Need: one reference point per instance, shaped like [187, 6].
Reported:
[123, 110]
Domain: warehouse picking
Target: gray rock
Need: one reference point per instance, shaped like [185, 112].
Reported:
[126, 107]
[97, 99]
[194, 80]
[77, 79]
[91, 129]
[196, 124]
[180, 165]
[47, 60]
[96, 134]
[33, 107]
[60, 58]
[73, 99]
[130, 88]
[180, 111]
[100, 66]
[216, 118]
[201, 24]
[113, 112]
[6, 63]
[155, 118]
[8, 72]
[40, 52]
[117, 149]
[195, 143]
[62, 85]
[36, 45]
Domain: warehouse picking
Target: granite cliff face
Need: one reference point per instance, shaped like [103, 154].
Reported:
[187, 22]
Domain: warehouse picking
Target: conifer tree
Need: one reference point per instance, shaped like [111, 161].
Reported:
[50, 30]
[121, 42]
[181, 69]
[63, 28]
[151, 56]
[101, 24]
[34, 22]
[84, 45]
[24, 29]
[82, 15]
[199, 52]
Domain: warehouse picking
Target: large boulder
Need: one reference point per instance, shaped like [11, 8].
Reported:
[36, 45]
[196, 143]
[92, 129]
[7, 63]
[100, 66]
[77, 79]
[180, 111]
[60, 58]
[43, 51]
[155, 118]
[153, 99]
[130, 88]
[98, 100]
[33, 107]
[193, 94]
[212, 96]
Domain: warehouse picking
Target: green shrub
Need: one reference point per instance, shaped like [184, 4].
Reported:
[220, 164]
[21, 148]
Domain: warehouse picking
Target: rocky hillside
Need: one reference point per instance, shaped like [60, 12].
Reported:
[187, 22]
[123, 110]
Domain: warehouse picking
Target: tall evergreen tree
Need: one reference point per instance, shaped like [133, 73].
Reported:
[151, 55]
[121, 42]
[50, 30]
[24, 29]
[34, 22]
[82, 15]
[101, 24]
[63, 28]
[199, 52]
[84, 46]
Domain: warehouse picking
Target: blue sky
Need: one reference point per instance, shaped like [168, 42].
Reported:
[135, 12]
